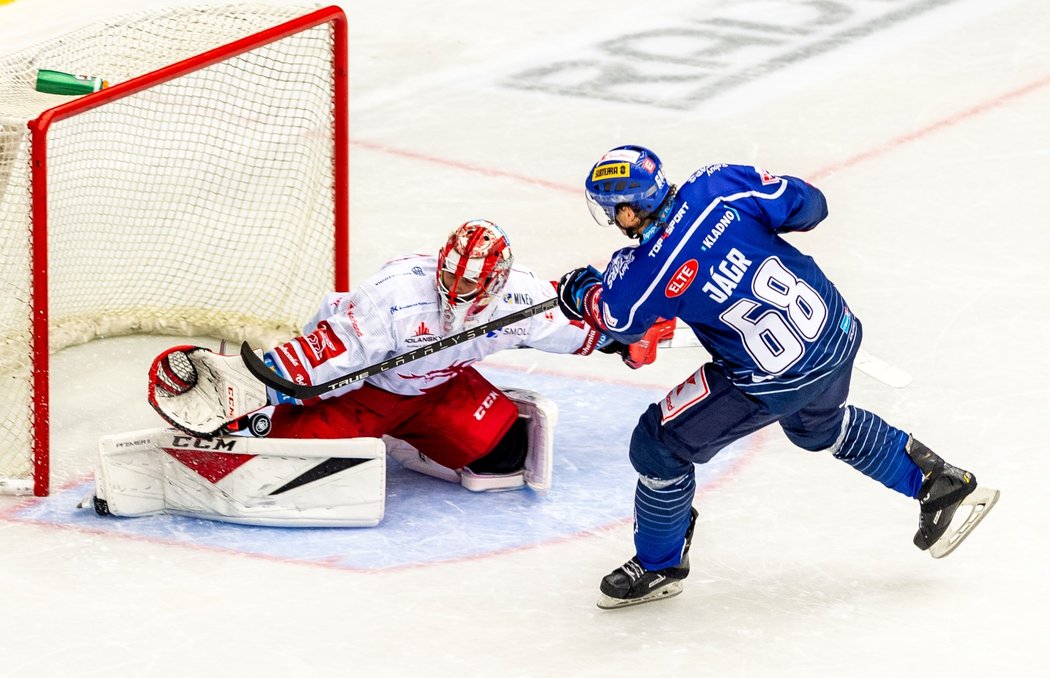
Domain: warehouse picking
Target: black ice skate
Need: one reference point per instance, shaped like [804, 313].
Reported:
[632, 584]
[946, 489]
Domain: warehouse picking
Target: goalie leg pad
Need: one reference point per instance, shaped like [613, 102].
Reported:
[414, 460]
[537, 417]
[530, 438]
[129, 475]
[541, 417]
[251, 481]
[504, 467]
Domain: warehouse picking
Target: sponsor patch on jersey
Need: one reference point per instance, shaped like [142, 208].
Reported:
[321, 345]
[611, 171]
[423, 335]
[682, 279]
[685, 395]
[353, 320]
[618, 266]
[290, 364]
[520, 298]
[767, 178]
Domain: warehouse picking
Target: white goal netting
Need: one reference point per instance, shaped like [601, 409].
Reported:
[200, 205]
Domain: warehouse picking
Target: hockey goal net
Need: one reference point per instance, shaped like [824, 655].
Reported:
[203, 193]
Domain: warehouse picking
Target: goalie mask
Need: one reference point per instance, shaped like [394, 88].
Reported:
[472, 269]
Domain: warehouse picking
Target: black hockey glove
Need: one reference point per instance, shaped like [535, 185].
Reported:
[573, 288]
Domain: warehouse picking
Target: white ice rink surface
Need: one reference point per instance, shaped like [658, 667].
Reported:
[925, 123]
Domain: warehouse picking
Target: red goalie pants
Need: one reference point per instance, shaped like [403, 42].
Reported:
[453, 424]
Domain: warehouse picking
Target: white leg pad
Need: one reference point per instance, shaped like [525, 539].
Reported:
[251, 481]
[412, 459]
[542, 415]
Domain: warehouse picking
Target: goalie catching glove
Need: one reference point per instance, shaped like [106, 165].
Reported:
[199, 391]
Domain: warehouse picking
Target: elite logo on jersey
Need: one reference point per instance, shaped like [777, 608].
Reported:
[682, 279]
[321, 345]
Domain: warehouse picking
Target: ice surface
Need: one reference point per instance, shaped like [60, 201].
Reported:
[925, 124]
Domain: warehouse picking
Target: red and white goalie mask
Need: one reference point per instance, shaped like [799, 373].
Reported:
[472, 269]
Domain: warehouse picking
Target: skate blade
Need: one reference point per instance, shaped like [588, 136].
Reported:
[670, 591]
[980, 502]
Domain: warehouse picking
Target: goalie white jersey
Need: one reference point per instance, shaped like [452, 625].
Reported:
[398, 310]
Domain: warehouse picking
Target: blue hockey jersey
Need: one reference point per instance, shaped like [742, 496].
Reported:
[763, 310]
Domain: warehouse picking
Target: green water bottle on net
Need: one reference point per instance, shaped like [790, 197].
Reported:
[57, 82]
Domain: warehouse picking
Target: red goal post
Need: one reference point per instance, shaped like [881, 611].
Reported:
[204, 193]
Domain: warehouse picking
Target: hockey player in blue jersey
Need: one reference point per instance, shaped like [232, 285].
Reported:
[782, 340]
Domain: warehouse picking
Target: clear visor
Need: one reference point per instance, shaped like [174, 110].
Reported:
[605, 216]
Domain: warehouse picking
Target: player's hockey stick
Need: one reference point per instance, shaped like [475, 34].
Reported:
[877, 369]
[267, 376]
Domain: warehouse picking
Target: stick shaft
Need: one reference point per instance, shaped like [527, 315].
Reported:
[267, 376]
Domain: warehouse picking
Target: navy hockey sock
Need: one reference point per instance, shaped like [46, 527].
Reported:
[877, 450]
[661, 517]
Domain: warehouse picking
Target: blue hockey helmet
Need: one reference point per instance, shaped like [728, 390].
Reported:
[626, 175]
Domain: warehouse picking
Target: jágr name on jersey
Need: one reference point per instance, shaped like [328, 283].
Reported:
[725, 277]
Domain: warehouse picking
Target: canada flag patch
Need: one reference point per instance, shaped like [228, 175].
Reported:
[682, 279]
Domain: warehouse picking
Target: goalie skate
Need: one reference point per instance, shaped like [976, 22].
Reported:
[632, 584]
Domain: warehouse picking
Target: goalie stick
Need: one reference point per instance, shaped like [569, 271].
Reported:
[876, 368]
[267, 376]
